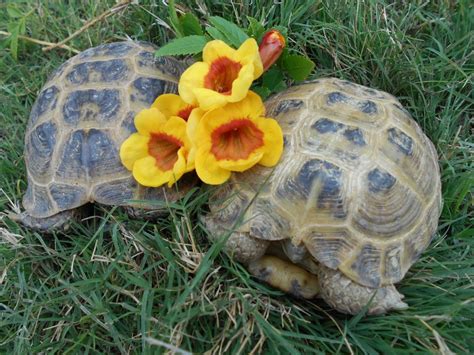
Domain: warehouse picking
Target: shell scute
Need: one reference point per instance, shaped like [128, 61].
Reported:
[100, 106]
[99, 72]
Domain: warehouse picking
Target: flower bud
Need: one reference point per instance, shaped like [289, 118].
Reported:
[271, 48]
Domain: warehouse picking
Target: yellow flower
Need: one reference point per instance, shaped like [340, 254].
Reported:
[173, 105]
[158, 152]
[224, 76]
[235, 138]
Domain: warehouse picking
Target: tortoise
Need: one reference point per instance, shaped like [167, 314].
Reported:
[351, 205]
[77, 124]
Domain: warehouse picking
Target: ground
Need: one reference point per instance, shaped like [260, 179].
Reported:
[112, 284]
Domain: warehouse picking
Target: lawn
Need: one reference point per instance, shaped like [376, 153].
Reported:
[116, 285]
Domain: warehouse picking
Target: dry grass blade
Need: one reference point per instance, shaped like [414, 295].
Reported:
[42, 43]
[113, 10]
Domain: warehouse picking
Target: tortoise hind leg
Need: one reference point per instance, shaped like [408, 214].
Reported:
[59, 221]
[285, 276]
[349, 297]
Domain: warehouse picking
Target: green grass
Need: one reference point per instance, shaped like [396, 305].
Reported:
[113, 285]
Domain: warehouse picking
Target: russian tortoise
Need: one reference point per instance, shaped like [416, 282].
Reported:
[353, 202]
[77, 124]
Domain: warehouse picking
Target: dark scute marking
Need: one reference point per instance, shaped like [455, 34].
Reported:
[74, 159]
[336, 97]
[66, 196]
[380, 180]
[329, 179]
[117, 49]
[111, 70]
[286, 141]
[325, 125]
[103, 154]
[42, 205]
[91, 105]
[167, 65]
[46, 101]
[355, 136]
[40, 147]
[403, 142]
[287, 105]
[118, 192]
[366, 266]
[129, 122]
[149, 89]
[368, 107]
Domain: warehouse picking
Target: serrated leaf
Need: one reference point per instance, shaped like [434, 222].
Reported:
[255, 28]
[298, 66]
[183, 45]
[216, 34]
[190, 25]
[273, 80]
[13, 12]
[234, 34]
[263, 91]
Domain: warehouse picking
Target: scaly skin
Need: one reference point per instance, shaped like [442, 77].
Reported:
[349, 297]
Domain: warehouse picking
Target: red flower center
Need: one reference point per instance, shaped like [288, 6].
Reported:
[236, 140]
[222, 73]
[185, 112]
[164, 148]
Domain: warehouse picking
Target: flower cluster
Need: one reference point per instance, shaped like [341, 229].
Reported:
[216, 125]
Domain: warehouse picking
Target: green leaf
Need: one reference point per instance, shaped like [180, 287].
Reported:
[263, 91]
[234, 34]
[255, 28]
[273, 80]
[298, 66]
[190, 25]
[13, 12]
[216, 34]
[183, 45]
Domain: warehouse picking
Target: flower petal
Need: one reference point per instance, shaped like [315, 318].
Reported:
[210, 99]
[217, 49]
[248, 53]
[175, 126]
[273, 138]
[241, 85]
[208, 170]
[147, 173]
[192, 78]
[149, 120]
[169, 104]
[132, 149]
[241, 164]
[179, 168]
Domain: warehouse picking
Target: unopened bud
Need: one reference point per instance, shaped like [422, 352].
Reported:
[271, 48]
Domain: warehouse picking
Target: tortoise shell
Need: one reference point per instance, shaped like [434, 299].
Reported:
[79, 120]
[358, 184]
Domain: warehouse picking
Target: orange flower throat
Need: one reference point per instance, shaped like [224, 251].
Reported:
[221, 75]
[236, 140]
[164, 148]
[185, 112]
